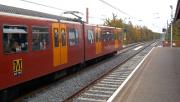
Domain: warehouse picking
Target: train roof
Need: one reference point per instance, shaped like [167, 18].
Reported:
[25, 12]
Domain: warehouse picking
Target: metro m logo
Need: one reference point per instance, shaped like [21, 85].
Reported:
[17, 67]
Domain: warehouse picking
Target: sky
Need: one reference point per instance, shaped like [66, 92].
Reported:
[153, 14]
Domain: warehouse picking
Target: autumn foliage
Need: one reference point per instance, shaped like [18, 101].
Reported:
[131, 33]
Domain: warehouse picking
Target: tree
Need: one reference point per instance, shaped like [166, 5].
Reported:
[132, 33]
[114, 22]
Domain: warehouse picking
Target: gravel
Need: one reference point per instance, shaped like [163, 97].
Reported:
[62, 89]
[120, 73]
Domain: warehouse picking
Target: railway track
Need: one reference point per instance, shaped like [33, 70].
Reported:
[105, 87]
[68, 87]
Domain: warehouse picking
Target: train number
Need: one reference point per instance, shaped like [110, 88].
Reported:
[17, 67]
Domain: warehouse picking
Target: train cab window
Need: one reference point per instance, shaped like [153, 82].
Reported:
[90, 36]
[73, 37]
[63, 37]
[40, 38]
[15, 39]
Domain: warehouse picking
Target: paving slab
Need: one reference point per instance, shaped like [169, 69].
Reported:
[159, 80]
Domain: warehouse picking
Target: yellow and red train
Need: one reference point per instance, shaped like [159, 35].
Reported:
[34, 44]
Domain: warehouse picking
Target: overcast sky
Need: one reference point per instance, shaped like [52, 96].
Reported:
[151, 13]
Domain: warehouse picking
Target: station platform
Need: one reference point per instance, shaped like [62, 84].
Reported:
[157, 79]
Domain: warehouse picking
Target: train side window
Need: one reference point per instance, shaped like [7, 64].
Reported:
[63, 37]
[112, 36]
[90, 36]
[40, 38]
[73, 37]
[15, 39]
[104, 37]
[107, 36]
[77, 37]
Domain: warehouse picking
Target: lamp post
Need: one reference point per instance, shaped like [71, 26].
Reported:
[171, 22]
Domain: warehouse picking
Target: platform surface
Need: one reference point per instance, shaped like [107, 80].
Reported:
[160, 79]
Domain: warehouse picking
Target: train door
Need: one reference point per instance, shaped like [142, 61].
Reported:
[59, 37]
[116, 38]
[98, 40]
[64, 48]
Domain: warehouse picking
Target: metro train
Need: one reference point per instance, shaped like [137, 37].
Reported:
[35, 44]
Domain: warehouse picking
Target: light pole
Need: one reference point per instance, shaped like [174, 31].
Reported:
[171, 22]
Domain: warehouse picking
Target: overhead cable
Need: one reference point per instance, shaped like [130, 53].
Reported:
[43, 5]
[117, 8]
